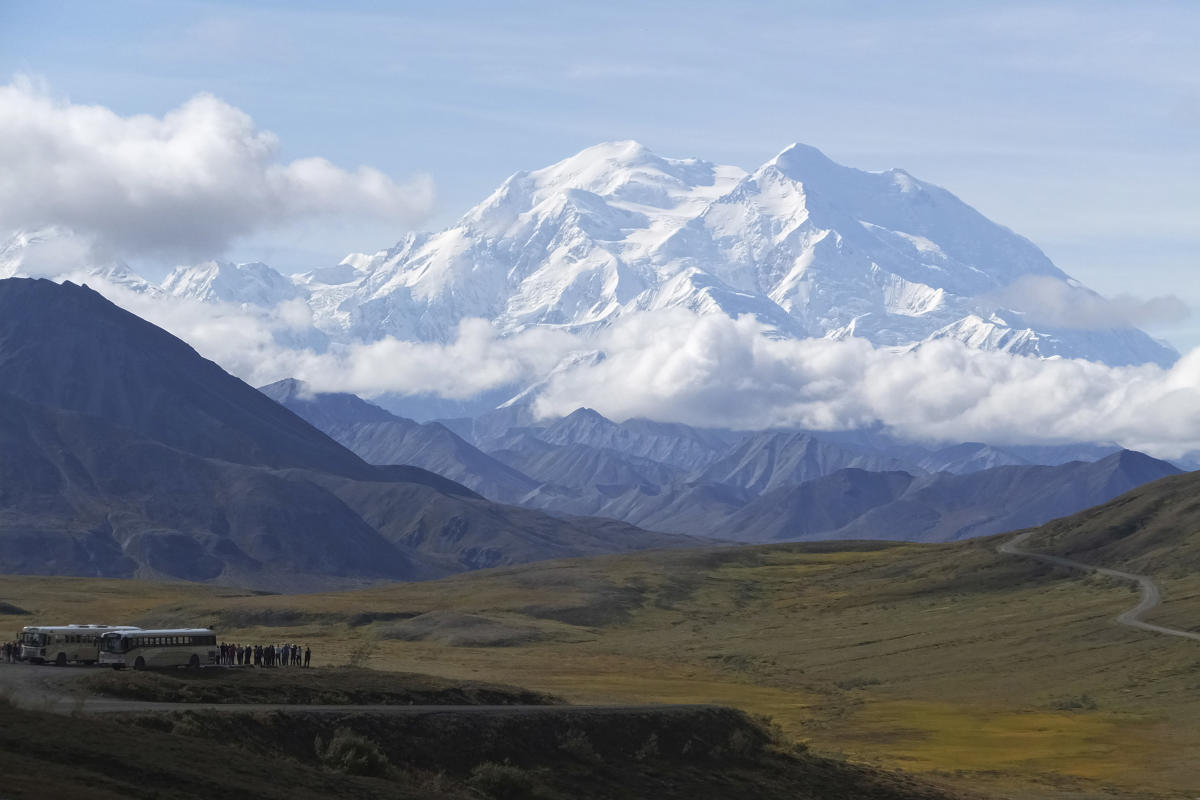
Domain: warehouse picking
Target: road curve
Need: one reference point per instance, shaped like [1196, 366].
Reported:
[1151, 596]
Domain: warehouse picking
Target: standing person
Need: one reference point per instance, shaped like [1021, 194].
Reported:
[307, 655]
[7, 653]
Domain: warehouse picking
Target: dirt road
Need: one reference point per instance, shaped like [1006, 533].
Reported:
[60, 690]
[1151, 596]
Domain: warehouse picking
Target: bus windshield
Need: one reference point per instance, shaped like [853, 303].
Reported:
[114, 643]
[33, 639]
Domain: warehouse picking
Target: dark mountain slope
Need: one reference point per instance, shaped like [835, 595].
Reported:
[773, 460]
[817, 507]
[941, 507]
[1152, 529]
[65, 346]
[323, 409]
[81, 497]
[380, 437]
[126, 453]
[581, 466]
[673, 444]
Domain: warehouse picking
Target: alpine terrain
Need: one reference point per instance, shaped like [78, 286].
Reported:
[807, 246]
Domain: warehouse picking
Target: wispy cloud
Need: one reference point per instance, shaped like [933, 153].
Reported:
[1049, 302]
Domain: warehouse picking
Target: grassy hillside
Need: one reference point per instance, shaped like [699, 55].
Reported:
[1153, 529]
[696, 754]
[948, 661]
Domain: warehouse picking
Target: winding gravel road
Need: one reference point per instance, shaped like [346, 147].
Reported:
[1151, 596]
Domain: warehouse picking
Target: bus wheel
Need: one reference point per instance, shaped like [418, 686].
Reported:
[140, 663]
[61, 661]
[194, 662]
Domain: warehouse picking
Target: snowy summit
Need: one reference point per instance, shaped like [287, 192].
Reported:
[809, 247]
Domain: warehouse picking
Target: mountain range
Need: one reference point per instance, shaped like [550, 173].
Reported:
[750, 487]
[124, 453]
[809, 247]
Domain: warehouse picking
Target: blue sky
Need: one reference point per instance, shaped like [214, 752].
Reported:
[1075, 124]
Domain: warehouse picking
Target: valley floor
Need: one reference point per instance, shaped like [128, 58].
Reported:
[982, 671]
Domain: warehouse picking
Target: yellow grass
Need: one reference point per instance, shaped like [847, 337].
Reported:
[949, 661]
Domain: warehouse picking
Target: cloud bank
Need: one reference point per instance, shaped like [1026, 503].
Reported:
[184, 184]
[1054, 303]
[715, 371]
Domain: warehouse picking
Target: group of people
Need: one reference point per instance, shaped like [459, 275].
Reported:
[264, 655]
[12, 652]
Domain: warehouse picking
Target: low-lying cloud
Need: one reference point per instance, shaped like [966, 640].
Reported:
[185, 184]
[1053, 303]
[715, 371]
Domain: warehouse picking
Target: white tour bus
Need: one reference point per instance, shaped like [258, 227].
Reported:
[60, 644]
[184, 647]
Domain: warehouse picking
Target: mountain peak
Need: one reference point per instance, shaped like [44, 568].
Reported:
[1137, 462]
[809, 247]
[585, 414]
[626, 152]
[252, 282]
[287, 389]
[326, 410]
[801, 153]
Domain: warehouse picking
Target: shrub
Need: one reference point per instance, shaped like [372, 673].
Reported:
[1083, 702]
[776, 739]
[501, 781]
[743, 745]
[361, 654]
[648, 750]
[576, 743]
[352, 754]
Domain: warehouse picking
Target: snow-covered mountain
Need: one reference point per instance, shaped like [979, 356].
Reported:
[253, 284]
[55, 251]
[809, 247]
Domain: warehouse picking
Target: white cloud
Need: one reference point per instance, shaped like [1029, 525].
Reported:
[719, 372]
[1054, 303]
[713, 371]
[187, 183]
